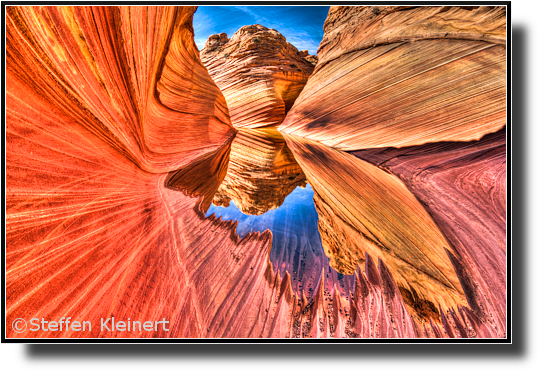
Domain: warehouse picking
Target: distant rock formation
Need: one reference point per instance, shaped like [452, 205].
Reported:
[259, 73]
[312, 59]
[402, 76]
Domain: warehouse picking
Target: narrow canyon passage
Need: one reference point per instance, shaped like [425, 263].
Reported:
[250, 190]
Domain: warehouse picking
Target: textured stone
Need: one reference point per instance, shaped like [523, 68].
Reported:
[402, 76]
[259, 73]
[463, 187]
[91, 235]
[108, 113]
[202, 178]
[364, 209]
[142, 89]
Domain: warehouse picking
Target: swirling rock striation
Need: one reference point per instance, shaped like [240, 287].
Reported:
[104, 105]
[463, 187]
[259, 73]
[403, 76]
[204, 177]
[131, 75]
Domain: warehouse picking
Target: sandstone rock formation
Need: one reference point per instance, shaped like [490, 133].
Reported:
[262, 172]
[259, 73]
[109, 113]
[463, 187]
[204, 177]
[311, 59]
[364, 209]
[92, 235]
[402, 76]
[141, 89]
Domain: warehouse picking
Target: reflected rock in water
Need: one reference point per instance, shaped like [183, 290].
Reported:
[463, 187]
[265, 189]
[204, 177]
[262, 172]
[296, 242]
[363, 209]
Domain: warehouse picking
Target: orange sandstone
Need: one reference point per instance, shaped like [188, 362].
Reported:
[259, 73]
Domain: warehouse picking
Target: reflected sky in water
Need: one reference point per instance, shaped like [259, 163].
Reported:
[296, 241]
[298, 205]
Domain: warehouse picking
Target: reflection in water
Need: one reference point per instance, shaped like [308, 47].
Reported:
[203, 178]
[261, 173]
[362, 209]
[296, 243]
[265, 188]
[350, 208]
[298, 204]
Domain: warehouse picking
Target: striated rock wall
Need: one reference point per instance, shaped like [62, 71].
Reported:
[108, 111]
[202, 178]
[419, 92]
[91, 235]
[402, 76]
[141, 89]
[463, 187]
[259, 73]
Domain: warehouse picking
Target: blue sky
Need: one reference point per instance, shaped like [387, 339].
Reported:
[301, 25]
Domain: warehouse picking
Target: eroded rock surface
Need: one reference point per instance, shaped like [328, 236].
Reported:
[463, 187]
[108, 110]
[141, 89]
[363, 209]
[259, 73]
[402, 76]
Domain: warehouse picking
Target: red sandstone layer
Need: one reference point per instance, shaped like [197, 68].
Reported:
[130, 75]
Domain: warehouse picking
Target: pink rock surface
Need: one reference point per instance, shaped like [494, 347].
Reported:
[463, 187]
[363, 209]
